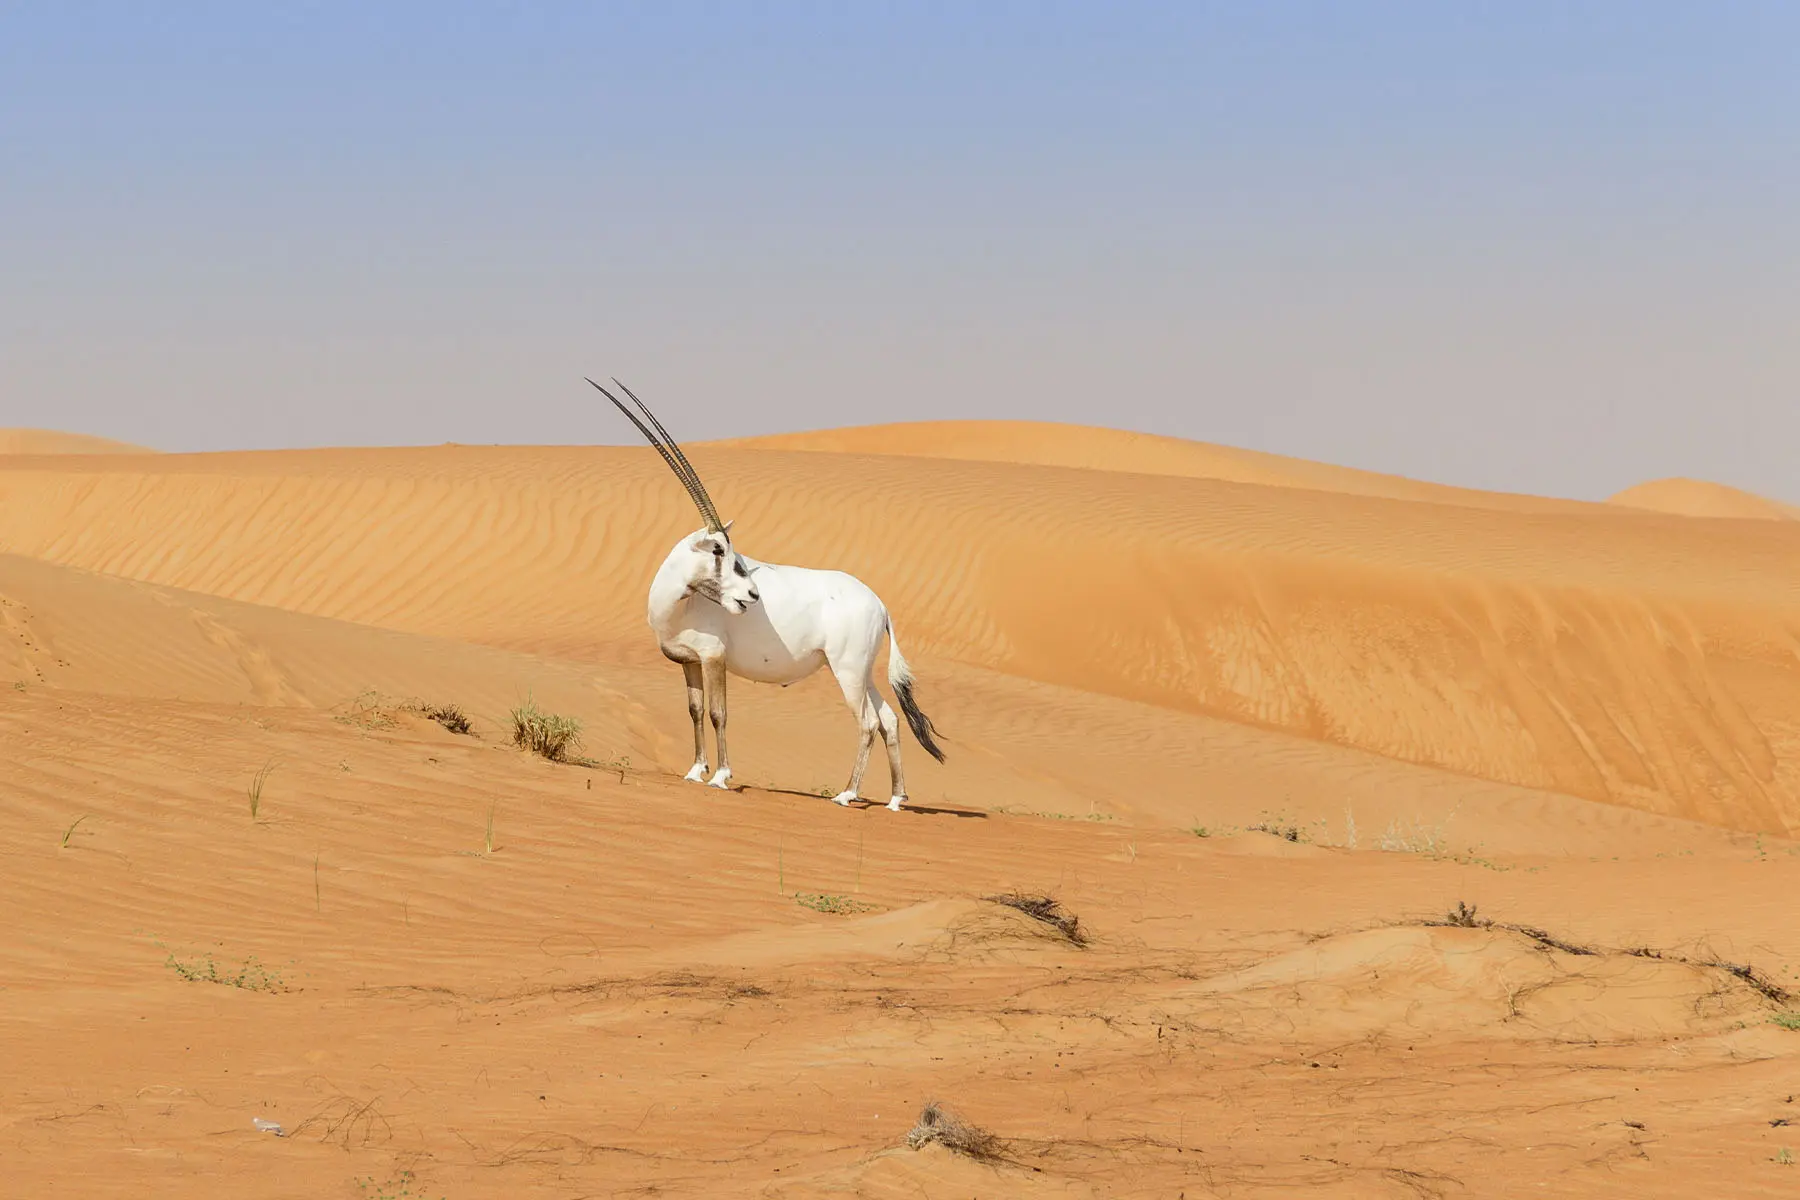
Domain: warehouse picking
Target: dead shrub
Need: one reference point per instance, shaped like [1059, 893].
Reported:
[958, 1136]
[1463, 917]
[1046, 909]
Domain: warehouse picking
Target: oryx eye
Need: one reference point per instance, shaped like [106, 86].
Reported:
[739, 568]
[718, 552]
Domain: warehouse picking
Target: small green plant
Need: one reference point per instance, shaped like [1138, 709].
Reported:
[1787, 1020]
[543, 733]
[250, 975]
[840, 906]
[396, 1187]
[70, 831]
[1200, 831]
[255, 790]
[1784, 1157]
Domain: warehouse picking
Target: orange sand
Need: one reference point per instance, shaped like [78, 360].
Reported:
[513, 978]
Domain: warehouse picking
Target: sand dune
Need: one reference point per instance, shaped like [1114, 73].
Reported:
[1045, 443]
[1424, 982]
[1599, 654]
[71, 630]
[1697, 498]
[47, 441]
[1259, 734]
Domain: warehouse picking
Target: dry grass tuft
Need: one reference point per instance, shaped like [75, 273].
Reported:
[254, 791]
[939, 1127]
[548, 734]
[368, 710]
[1463, 916]
[1046, 909]
[449, 716]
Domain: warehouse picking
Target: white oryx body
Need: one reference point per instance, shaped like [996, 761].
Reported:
[717, 612]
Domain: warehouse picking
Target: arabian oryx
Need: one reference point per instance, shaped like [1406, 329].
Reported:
[716, 611]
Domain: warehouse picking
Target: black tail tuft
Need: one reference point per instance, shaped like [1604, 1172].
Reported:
[921, 724]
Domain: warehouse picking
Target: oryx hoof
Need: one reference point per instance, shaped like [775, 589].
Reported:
[845, 798]
[696, 773]
[721, 780]
[896, 803]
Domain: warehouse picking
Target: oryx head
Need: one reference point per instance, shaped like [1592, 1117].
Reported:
[712, 567]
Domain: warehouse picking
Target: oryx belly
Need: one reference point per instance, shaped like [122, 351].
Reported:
[806, 618]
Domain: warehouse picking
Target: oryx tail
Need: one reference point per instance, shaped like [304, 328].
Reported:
[900, 678]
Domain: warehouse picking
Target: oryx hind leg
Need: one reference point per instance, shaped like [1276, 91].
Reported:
[860, 695]
[890, 733]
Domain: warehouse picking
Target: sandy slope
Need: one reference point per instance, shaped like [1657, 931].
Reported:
[47, 441]
[429, 954]
[1698, 498]
[624, 994]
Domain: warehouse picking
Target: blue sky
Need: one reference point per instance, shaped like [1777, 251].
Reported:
[1539, 247]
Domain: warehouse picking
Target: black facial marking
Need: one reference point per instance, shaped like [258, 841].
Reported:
[739, 568]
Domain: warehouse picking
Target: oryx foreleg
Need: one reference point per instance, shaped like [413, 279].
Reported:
[714, 671]
[696, 698]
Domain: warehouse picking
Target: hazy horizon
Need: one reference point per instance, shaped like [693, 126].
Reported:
[1525, 248]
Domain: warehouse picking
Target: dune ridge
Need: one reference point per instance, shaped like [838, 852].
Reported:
[1698, 498]
[49, 441]
[1051, 444]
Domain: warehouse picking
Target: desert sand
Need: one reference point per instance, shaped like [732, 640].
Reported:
[1424, 841]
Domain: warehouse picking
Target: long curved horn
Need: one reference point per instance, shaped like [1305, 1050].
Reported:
[696, 489]
[671, 454]
[674, 448]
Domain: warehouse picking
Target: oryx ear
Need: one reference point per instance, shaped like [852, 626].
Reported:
[727, 530]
